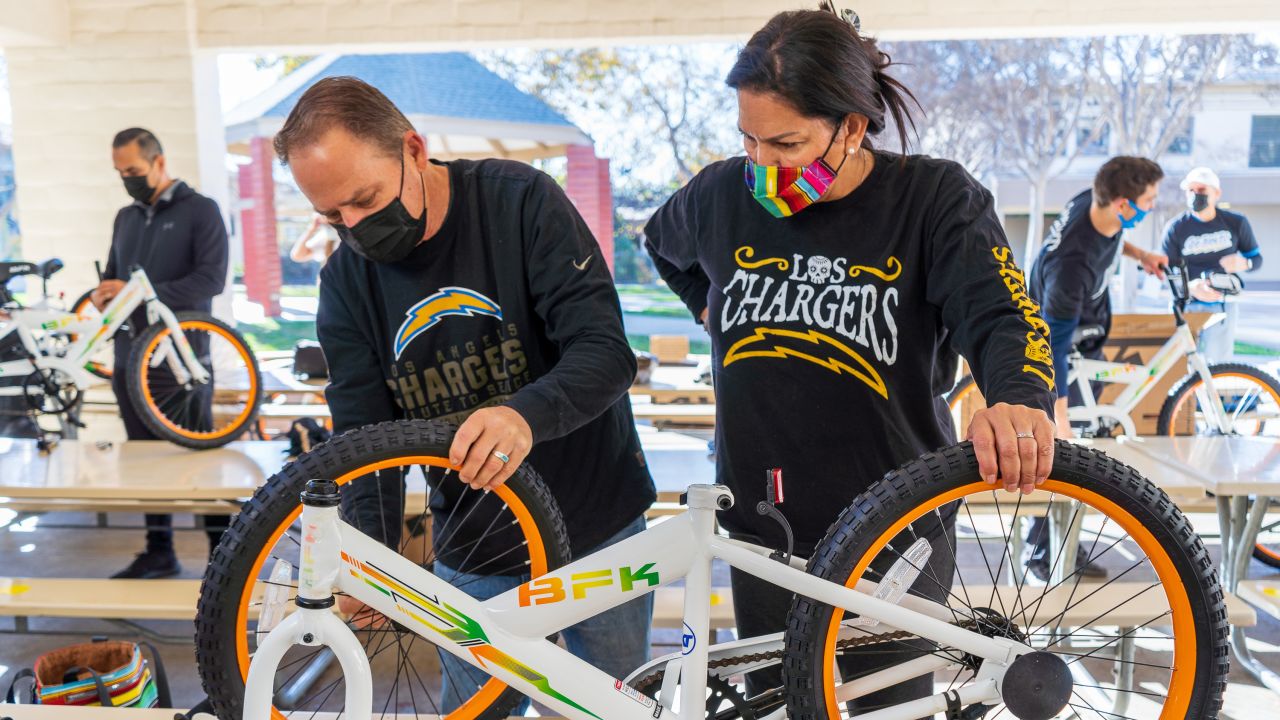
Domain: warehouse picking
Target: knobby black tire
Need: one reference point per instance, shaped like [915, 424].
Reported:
[155, 423]
[910, 486]
[1186, 386]
[232, 561]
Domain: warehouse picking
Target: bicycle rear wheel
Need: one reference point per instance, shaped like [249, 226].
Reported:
[1250, 396]
[188, 413]
[513, 532]
[1150, 641]
[964, 400]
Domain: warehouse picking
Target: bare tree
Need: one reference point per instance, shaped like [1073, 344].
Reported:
[659, 103]
[1029, 94]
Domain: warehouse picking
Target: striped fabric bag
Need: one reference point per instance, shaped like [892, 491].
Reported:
[103, 673]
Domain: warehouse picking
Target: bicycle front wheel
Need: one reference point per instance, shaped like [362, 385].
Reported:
[1148, 641]
[179, 409]
[394, 486]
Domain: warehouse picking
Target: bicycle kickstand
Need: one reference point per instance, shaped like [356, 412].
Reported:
[314, 622]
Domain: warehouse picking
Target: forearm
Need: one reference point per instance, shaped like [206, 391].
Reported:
[1135, 252]
[592, 374]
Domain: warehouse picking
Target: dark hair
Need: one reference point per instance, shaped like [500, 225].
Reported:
[148, 143]
[822, 65]
[347, 102]
[1124, 177]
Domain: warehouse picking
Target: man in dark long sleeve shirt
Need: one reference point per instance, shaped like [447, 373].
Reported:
[472, 292]
[177, 236]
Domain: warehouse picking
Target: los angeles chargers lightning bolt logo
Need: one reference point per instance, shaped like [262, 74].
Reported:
[449, 301]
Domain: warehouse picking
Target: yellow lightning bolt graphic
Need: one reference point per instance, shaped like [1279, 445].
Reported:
[450, 301]
[863, 371]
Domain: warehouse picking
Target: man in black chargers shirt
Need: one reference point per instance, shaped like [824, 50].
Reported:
[536, 368]
[177, 236]
[1211, 239]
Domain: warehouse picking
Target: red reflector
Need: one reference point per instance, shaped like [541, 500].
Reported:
[776, 476]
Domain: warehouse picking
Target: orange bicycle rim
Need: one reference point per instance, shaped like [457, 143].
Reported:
[537, 557]
[1182, 680]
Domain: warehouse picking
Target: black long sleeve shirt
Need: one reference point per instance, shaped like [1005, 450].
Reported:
[509, 303]
[832, 330]
[180, 241]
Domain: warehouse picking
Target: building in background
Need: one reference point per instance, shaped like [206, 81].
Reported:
[1235, 131]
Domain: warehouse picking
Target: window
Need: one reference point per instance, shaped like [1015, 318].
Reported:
[1264, 143]
[1100, 145]
[1181, 144]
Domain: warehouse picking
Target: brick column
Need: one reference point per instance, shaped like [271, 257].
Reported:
[589, 187]
[258, 228]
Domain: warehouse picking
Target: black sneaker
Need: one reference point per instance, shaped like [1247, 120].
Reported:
[1089, 571]
[150, 566]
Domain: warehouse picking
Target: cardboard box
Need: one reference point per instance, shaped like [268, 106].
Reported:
[670, 349]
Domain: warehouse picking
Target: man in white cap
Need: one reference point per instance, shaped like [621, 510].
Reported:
[1211, 239]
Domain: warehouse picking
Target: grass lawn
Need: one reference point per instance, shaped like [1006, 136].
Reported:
[273, 334]
[1243, 348]
[696, 347]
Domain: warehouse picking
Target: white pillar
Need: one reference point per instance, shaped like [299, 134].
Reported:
[123, 63]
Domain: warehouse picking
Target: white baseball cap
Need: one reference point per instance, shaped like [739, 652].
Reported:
[1203, 176]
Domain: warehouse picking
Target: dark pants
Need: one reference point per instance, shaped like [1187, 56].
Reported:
[159, 527]
[1038, 534]
[762, 609]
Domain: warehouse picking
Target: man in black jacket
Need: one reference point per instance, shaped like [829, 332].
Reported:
[472, 291]
[177, 236]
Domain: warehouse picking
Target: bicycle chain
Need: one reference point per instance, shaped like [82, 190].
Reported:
[845, 644]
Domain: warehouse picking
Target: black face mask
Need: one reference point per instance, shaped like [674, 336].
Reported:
[1198, 201]
[390, 234]
[138, 188]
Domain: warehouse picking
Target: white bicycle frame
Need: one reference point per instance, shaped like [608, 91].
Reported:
[1140, 380]
[506, 636]
[36, 326]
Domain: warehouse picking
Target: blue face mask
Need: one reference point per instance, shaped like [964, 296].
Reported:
[1138, 214]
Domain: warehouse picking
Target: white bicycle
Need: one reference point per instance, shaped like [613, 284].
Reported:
[1223, 398]
[192, 378]
[876, 595]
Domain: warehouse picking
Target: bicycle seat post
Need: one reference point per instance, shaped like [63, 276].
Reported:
[314, 622]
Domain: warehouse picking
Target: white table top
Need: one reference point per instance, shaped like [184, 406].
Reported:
[157, 470]
[136, 470]
[1224, 465]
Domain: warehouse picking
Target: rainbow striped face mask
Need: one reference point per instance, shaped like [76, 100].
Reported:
[785, 191]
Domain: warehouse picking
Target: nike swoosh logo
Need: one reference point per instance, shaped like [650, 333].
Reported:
[583, 264]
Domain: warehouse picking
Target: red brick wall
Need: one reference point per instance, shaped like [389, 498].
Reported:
[589, 187]
[258, 228]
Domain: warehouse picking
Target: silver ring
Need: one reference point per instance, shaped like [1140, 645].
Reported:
[505, 458]
[1026, 435]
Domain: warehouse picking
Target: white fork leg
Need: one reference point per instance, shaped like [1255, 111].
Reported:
[313, 628]
[313, 623]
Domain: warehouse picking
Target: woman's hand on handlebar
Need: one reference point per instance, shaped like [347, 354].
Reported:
[1013, 443]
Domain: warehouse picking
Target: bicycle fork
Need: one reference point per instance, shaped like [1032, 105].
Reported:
[313, 623]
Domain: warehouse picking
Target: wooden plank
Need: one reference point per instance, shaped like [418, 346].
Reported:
[99, 598]
[694, 415]
[1263, 594]
[46, 505]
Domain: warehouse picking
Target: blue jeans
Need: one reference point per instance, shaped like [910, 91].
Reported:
[616, 641]
[1217, 343]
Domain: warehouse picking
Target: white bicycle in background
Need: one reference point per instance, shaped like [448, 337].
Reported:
[1222, 398]
[876, 587]
[192, 378]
